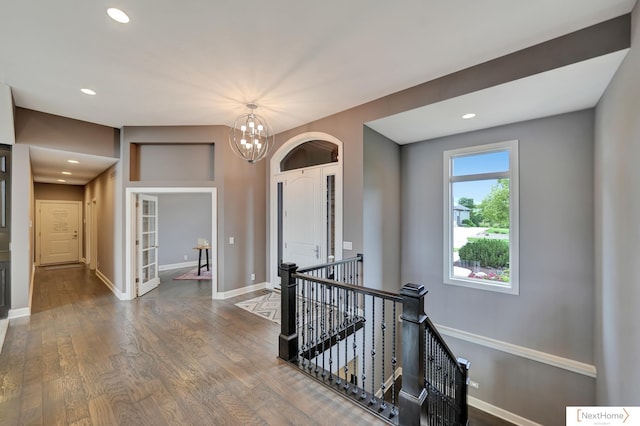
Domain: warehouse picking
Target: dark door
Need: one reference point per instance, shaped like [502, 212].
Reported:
[5, 230]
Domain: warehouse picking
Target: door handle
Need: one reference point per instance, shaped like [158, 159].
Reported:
[317, 250]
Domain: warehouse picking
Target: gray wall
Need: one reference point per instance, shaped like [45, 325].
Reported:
[182, 219]
[381, 212]
[617, 138]
[56, 192]
[241, 197]
[22, 220]
[348, 126]
[554, 311]
[65, 134]
[104, 190]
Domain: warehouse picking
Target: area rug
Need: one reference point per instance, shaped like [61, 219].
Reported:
[193, 275]
[267, 306]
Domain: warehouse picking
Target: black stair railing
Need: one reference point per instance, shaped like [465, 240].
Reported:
[359, 341]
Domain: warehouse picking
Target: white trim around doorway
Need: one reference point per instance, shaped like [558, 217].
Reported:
[130, 204]
[274, 170]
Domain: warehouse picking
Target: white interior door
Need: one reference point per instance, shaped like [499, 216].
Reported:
[58, 224]
[147, 243]
[303, 243]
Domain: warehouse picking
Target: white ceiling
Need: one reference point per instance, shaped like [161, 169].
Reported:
[570, 88]
[199, 62]
[48, 164]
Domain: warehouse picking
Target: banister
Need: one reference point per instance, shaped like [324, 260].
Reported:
[359, 289]
[358, 258]
[447, 349]
[340, 334]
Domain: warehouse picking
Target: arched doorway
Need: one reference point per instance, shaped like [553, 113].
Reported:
[306, 202]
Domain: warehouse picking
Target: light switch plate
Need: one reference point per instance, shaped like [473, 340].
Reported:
[347, 245]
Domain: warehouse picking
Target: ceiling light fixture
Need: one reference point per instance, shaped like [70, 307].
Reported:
[66, 173]
[73, 161]
[88, 91]
[468, 116]
[61, 180]
[251, 137]
[118, 15]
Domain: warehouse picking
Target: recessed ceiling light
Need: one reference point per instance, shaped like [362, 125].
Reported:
[73, 161]
[468, 116]
[118, 15]
[88, 91]
[66, 173]
[61, 180]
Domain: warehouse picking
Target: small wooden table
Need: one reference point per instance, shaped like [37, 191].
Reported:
[206, 250]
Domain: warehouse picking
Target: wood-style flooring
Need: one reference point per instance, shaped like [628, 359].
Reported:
[171, 357]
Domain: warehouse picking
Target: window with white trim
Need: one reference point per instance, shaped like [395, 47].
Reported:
[481, 217]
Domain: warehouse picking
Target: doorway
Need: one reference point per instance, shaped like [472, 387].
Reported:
[131, 251]
[59, 232]
[306, 202]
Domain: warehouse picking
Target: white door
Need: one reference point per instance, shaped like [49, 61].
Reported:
[302, 218]
[58, 224]
[147, 243]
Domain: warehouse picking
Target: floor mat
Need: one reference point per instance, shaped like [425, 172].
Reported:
[193, 275]
[266, 306]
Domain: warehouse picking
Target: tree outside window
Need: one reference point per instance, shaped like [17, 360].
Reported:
[481, 222]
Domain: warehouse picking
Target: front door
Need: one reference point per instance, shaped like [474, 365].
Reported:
[302, 218]
[147, 243]
[58, 225]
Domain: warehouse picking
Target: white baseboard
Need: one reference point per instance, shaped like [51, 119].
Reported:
[239, 292]
[4, 325]
[181, 265]
[18, 313]
[110, 285]
[500, 413]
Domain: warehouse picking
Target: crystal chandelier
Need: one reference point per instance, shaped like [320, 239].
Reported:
[251, 136]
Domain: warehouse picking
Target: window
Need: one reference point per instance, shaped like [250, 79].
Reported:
[481, 217]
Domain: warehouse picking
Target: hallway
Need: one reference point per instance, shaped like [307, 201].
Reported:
[84, 357]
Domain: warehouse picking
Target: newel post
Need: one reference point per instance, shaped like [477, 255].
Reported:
[413, 394]
[463, 388]
[288, 341]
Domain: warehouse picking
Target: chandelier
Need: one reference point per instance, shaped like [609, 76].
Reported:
[251, 136]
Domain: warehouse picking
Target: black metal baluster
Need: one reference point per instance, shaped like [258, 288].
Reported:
[309, 323]
[331, 331]
[383, 326]
[364, 344]
[303, 317]
[323, 335]
[340, 304]
[316, 327]
[394, 363]
[346, 339]
[372, 401]
[355, 344]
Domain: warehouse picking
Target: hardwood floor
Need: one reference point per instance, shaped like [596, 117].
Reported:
[173, 356]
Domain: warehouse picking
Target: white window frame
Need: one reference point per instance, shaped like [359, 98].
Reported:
[512, 287]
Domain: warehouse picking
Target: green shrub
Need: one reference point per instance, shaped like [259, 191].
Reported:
[491, 253]
[468, 223]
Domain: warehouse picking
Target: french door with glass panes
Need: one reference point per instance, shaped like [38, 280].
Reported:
[147, 243]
